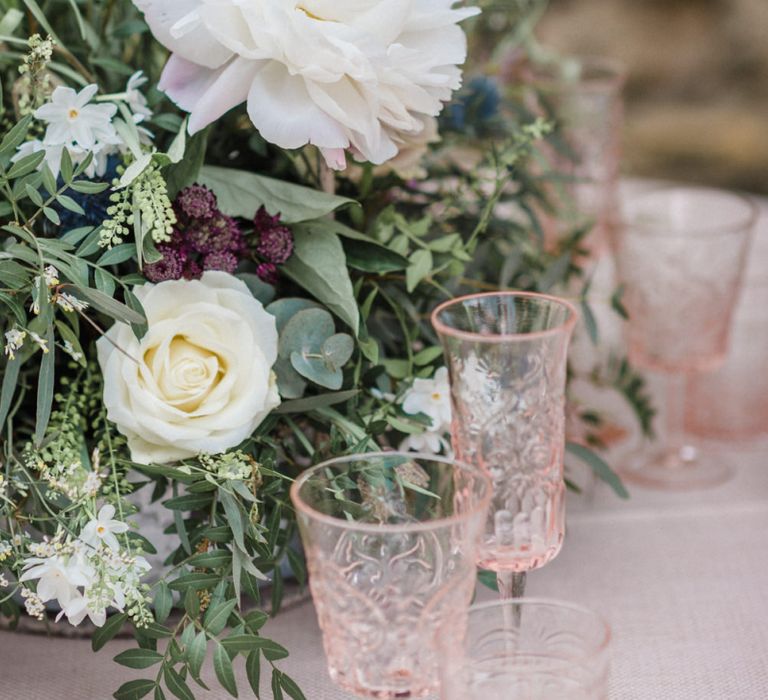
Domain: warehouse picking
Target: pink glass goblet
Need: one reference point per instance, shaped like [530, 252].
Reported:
[681, 256]
[546, 650]
[390, 540]
[506, 355]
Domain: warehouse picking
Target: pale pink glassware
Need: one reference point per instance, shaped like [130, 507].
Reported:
[390, 540]
[731, 403]
[583, 95]
[680, 257]
[527, 649]
[506, 354]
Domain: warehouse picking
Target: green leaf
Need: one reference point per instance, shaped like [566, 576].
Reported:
[186, 171]
[262, 291]
[15, 136]
[313, 402]
[241, 193]
[192, 604]
[290, 687]
[589, 321]
[155, 631]
[216, 559]
[39, 15]
[159, 693]
[163, 602]
[216, 618]
[88, 187]
[196, 653]
[222, 665]
[488, 579]
[108, 630]
[26, 165]
[249, 642]
[34, 195]
[319, 265]
[105, 282]
[427, 356]
[420, 267]
[179, 144]
[45, 385]
[67, 334]
[195, 581]
[253, 671]
[69, 204]
[599, 467]
[10, 377]
[277, 690]
[110, 306]
[138, 658]
[176, 684]
[49, 181]
[67, 172]
[133, 690]
[234, 517]
[189, 502]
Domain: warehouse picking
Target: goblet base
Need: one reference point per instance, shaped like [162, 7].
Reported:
[685, 469]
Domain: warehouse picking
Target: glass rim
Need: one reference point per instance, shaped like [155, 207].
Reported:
[745, 223]
[444, 329]
[607, 632]
[616, 72]
[301, 505]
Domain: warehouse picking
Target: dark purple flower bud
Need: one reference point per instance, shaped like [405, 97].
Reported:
[276, 245]
[267, 272]
[220, 260]
[264, 220]
[196, 202]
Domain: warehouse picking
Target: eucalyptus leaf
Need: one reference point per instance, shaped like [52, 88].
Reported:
[241, 193]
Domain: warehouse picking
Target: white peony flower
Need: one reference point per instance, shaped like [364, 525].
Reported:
[413, 147]
[200, 380]
[337, 74]
[71, 119]
[103, 529]
[431, 397]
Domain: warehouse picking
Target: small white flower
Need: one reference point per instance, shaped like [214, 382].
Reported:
[70, 303]
[428, 441]
[135, 99]
[92, 482]
[4, 583]
[58, 577]
[5, 550]
[51, 276]
[42, 343]
[14, 339]
[432, 397]
[103, 529]
[78, 608]
[71, 119]
[70, 350]
[53, 152]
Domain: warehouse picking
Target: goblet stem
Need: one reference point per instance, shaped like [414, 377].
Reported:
[511, 584]
[678, 452]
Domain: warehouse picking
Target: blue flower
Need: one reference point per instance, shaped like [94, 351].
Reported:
[474, 106]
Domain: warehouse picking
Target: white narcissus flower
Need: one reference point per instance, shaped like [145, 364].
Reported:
[431, 397]
[135, 98]
[201, 378]
[103, 529]
[77, 609]
[58, 576]
[361, 75]
[71, 119]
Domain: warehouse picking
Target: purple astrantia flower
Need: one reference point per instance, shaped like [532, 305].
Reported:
[196, 202]
[267, 272]
[275, 240]
[220, 260]
[171, 267]
[218, 234]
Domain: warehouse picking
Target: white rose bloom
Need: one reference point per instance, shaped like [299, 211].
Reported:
[200, 380]
[338, 74]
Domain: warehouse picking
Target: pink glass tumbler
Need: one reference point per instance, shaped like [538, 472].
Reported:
[390, 540]
[506, 355]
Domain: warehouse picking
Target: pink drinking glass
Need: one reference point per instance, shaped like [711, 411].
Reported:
[390, 540]
[583, 95]
[506, 355]
[681, 257]
[527, 649]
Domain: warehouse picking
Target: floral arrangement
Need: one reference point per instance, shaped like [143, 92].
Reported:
[223, 227]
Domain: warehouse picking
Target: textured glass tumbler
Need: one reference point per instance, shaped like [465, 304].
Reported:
[583, 94]
[681, 258]
[390, 540]
[527, 649]
[506, 356]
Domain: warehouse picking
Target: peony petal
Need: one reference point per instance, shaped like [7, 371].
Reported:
[281, 108]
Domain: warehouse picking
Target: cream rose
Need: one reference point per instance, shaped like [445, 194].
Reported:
[200, 380]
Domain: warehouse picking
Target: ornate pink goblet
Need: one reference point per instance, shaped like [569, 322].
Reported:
[506, 356]
[390, 540]
[681, 257]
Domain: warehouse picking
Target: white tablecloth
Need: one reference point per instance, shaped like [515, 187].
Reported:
[682, 578]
